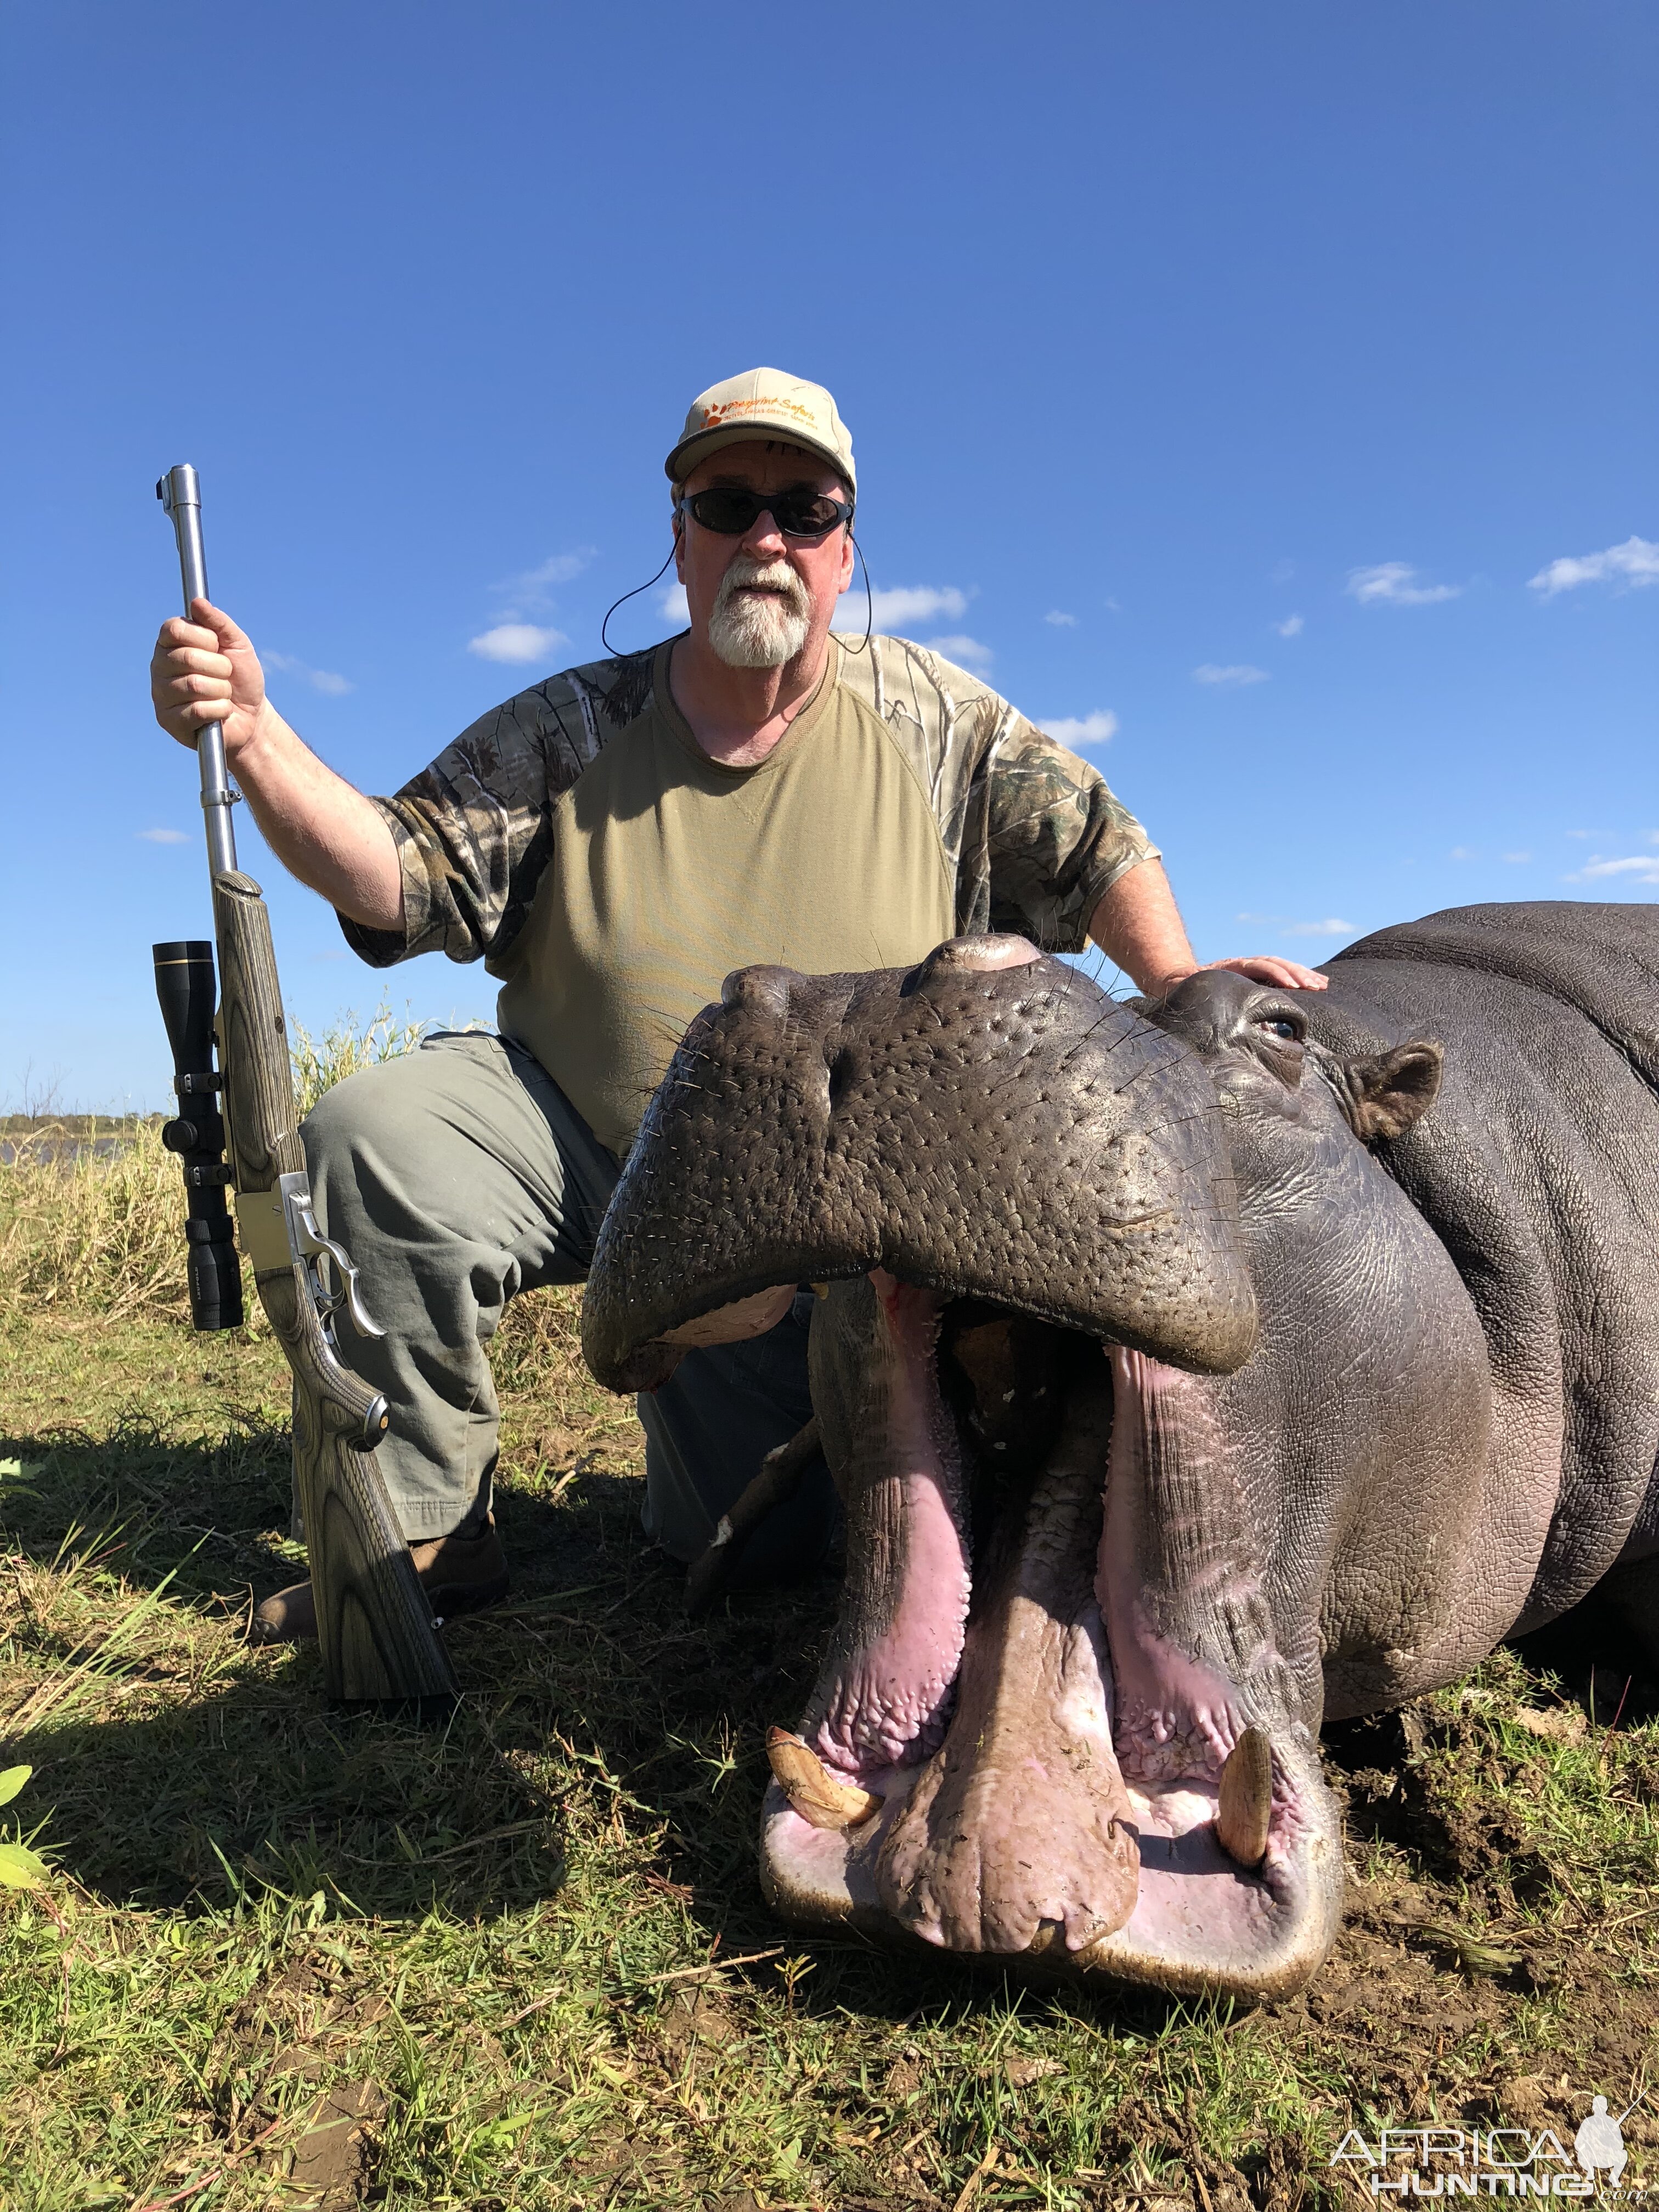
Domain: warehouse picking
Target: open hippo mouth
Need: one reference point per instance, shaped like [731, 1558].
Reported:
[1053, 1725]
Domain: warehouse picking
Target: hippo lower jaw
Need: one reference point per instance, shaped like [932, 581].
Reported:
[1050, 1772]
[1197, 1925]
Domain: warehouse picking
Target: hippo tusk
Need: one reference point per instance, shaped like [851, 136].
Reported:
[811, 1789]
[1245, 1801]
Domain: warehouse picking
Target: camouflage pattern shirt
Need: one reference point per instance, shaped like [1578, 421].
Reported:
[578, 841]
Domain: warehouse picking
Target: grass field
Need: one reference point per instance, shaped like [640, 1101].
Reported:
[287, 1959]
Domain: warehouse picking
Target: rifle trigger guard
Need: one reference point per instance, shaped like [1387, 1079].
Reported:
[312, 1248]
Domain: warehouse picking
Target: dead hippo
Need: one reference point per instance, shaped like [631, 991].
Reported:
[1191, 1372]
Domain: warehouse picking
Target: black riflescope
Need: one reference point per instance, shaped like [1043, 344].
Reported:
[185, 985]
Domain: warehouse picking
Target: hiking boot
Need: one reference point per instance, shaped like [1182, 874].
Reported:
[459, 1574]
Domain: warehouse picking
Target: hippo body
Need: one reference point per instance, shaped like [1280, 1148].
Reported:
[1192, 1373]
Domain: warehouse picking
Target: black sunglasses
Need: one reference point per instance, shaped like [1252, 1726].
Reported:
[733, 513]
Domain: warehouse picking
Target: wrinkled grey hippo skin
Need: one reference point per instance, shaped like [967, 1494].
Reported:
[1192, 1372]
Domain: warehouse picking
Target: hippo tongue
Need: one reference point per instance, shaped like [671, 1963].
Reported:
[1018, 1819]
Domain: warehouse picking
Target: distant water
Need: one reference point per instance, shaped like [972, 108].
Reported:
[62, 1138]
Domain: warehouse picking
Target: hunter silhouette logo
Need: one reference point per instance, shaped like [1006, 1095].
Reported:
[1600, 2140]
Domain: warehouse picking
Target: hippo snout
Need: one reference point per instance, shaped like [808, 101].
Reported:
[987, 1124]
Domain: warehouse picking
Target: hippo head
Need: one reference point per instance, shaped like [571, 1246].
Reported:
[1058, 1724]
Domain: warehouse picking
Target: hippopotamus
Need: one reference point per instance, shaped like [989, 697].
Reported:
[1192, 1373]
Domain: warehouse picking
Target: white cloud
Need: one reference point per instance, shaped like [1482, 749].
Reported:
[1462, 852]
[1636, 868]
[674, 606]
[560, 568]
[966, 650]
[1517, 859]
[918, 602]
[320, 679]
[515, 642]
[514, 636]
[1060, 621]
[1290, 627]
[1283, 571]
[1630, 565]
[1395, 584]
[1096, 729]
[165, 836]
[527, 594]
[1238, 671]
[1331, 927]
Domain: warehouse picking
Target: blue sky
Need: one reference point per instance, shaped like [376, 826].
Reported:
[1236, 380]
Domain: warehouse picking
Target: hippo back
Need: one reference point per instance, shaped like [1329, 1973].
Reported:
[1539, 1168]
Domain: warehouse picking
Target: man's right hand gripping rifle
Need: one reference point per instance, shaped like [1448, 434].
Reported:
[205, 670]
[372, 1617]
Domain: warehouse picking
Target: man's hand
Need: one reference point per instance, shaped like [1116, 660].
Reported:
[1137, 924]
[325, 833]
[1262, 968]
[204, 670]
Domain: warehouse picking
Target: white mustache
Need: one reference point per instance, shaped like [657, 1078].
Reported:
[745, 573]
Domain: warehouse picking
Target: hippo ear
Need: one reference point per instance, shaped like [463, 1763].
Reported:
[1383, 1096]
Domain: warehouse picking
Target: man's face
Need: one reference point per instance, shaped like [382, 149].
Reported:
[763, 599]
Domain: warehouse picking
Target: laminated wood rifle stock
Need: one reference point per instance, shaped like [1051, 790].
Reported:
[372, 1620]
[379, 1643]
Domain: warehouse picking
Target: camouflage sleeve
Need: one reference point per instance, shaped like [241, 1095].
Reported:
[1045, 835]
[474, 830]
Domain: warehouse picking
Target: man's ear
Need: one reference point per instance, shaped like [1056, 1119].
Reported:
[1384, 1096]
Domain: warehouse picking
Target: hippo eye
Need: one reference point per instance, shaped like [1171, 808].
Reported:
[1283, 1029]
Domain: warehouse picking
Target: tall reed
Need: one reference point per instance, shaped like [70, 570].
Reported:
[92, 1213]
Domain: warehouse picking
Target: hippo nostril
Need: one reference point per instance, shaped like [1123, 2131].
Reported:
[841, 1075]
[978, 954]
[761, 990]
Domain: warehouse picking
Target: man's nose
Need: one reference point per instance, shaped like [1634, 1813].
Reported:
[764, 539]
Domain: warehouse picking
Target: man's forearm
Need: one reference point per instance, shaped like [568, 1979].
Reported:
[1138, 925]
[322, 829]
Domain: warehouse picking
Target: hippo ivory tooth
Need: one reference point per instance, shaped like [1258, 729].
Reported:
[811, 1789]
[1246, 1799]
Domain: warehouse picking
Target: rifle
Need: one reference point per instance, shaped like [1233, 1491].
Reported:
[378, 1643]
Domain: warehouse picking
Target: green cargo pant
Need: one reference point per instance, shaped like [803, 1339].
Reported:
[456, 1177]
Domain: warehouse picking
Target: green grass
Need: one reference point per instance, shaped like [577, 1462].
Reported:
[286, 1957]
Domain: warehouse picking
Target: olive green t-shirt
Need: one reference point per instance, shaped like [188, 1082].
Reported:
[612, 875]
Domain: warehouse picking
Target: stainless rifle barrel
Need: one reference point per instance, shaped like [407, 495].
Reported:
[180, 495]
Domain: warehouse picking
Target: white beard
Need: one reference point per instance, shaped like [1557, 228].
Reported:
[762, 631]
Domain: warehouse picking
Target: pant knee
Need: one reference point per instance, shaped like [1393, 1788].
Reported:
[373, 1151]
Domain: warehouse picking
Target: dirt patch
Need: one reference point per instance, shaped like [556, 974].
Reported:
[332, 2166]
[698, 2015]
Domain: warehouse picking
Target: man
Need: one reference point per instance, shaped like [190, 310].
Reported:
[613, 842]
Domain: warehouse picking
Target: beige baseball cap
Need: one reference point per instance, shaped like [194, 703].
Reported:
[763, 402]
